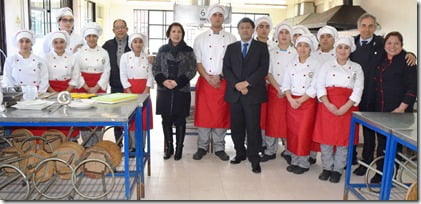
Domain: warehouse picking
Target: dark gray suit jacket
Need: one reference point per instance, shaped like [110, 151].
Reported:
[253, 69]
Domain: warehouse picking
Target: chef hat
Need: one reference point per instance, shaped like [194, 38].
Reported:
[263, 19]
[48, 44]
[347, 40]
[327, 30]
[282, 26]
[66, 11]
[141, 36]
[309, 39]
[216, 8]
[24, 34]
[92, 28]
[300, 29]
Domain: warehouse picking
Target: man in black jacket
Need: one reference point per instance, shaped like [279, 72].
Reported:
[246, 63]
[115, 48]
[368, 54]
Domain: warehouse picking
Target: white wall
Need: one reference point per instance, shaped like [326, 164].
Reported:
[15, 21]
[396, 15]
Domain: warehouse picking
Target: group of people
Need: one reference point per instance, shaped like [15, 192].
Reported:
[296, 87]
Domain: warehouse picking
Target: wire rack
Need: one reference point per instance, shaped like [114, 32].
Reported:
[56, 187]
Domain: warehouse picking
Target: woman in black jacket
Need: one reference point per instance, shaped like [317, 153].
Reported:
[393, 86]
[173, 69]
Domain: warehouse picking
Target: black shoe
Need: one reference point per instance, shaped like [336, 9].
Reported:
[291, 168]
[376, 179]
[325, 175]
[300, 170]
[286, 157]
[312, 160]
[238, 159]
[255, 167]
[335, 177]
[360, 171]
[267, 157]
[199, 154]
[222, 155]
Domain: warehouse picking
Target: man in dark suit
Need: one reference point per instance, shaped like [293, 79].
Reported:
[115, 48]
[246, 63]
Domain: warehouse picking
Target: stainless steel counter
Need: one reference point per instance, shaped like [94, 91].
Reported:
[100, 112]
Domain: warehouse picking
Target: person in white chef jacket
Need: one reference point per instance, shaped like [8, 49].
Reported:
[61, 73]
[297, 31]
[94, 65]
[26, 70]
[93, 61]
[340, 84]
[261, 31]
[211, 110]
[299, 86]
[327, 35]
[276, 126]
[136, 75]
[65, 21]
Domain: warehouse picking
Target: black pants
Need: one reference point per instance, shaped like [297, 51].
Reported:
[246, 117]
[117, 130]
[381, 146]
[177, 120]
[369, 145]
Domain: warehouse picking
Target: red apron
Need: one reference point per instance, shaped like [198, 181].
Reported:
[276, 123]
[300, 125]
[58, 85]
[331, 129]
[138, 86]
[91, 79]
[211, 110]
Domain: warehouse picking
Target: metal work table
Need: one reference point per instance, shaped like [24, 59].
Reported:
[119, 114]
[397, 128]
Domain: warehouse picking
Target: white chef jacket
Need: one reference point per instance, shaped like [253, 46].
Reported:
[300, 78]
[279, 60]
[61, 68]
[132, 67]
[30, 71]
[272, 45]
[209, 49]
[323, 57]
[93, 60]
[75, 40]
[349, 76]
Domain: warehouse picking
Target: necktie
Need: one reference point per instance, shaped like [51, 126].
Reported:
[245, 49]
[364, 42]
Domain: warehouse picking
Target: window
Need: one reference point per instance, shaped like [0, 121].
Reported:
[42, 15]
[154, 23]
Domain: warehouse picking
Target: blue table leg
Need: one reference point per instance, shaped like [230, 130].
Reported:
[140, 153]
[126, 161]
[388, 165]
[349, 159]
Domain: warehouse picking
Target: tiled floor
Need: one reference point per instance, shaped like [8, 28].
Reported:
[213, 179]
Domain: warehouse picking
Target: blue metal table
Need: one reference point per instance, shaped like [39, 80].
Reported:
[119, 114]
[397, 128]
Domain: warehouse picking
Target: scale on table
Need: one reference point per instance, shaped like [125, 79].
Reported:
[11, 95]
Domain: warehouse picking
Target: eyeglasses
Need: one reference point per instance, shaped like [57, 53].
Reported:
[65, 20]
[119, 28]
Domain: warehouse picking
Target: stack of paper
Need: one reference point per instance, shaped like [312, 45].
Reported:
[115, 98]
[33, 104]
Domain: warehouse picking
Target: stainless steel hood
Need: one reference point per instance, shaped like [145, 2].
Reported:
[341, 17]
